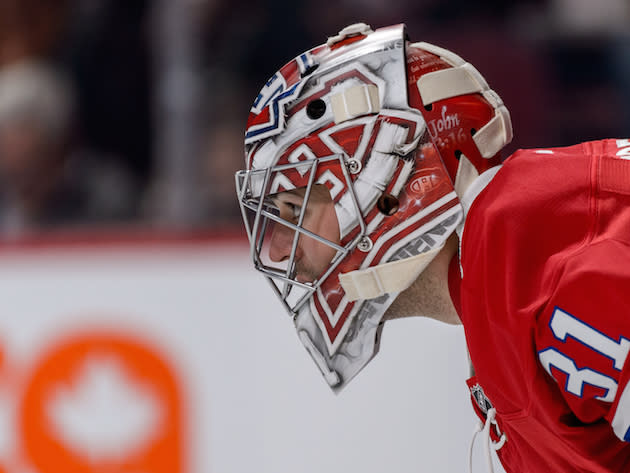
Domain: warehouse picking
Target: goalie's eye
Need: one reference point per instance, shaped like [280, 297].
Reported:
[285, 208]
[289, 211]
[295, 210]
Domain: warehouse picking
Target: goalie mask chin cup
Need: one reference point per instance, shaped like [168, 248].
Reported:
[395, 131]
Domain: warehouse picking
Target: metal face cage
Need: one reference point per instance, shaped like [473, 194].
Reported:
[254, 188]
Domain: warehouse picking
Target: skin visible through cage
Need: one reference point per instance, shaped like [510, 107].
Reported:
[312, 257]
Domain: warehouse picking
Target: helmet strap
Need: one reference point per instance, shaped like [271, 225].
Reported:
[392, 277]
[466, 175]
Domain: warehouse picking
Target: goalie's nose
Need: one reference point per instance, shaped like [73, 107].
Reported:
[281, 243]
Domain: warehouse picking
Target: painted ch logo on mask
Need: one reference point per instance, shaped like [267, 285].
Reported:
[98, 403]
[425, 181]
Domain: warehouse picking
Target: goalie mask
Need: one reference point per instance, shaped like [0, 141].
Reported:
[356, 152]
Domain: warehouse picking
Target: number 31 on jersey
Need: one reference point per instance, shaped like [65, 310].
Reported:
[564, 325]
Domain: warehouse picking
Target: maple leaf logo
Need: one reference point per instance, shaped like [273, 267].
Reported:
[104, 414]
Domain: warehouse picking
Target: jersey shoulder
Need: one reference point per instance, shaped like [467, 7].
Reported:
[536, 205]
[554, 197]
[613, 147]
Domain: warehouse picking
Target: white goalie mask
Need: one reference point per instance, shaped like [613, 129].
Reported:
[344, 127]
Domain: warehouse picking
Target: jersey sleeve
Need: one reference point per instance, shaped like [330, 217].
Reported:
[583, 334]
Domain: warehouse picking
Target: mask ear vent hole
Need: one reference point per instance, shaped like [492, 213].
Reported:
[428, 107]
[458, 154]
[316, 109]
[387, 204]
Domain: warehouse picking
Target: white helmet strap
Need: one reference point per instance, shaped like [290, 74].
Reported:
[355, 101]
[386, 278]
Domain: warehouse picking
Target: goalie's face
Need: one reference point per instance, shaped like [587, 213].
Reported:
[312, 257]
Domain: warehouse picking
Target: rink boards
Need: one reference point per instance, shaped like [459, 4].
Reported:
[174, 356]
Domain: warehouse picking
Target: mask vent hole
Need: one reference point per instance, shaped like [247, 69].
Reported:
[316, 109]
[428, 107]
[458, 154]
[387, 204]
[472, 132]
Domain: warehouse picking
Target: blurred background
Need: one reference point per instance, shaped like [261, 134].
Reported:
[127, 116]
[121, 124]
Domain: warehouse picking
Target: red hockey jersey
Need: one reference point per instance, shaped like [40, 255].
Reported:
[544, 298]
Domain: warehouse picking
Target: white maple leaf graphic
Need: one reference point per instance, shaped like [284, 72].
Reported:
[105, 414]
